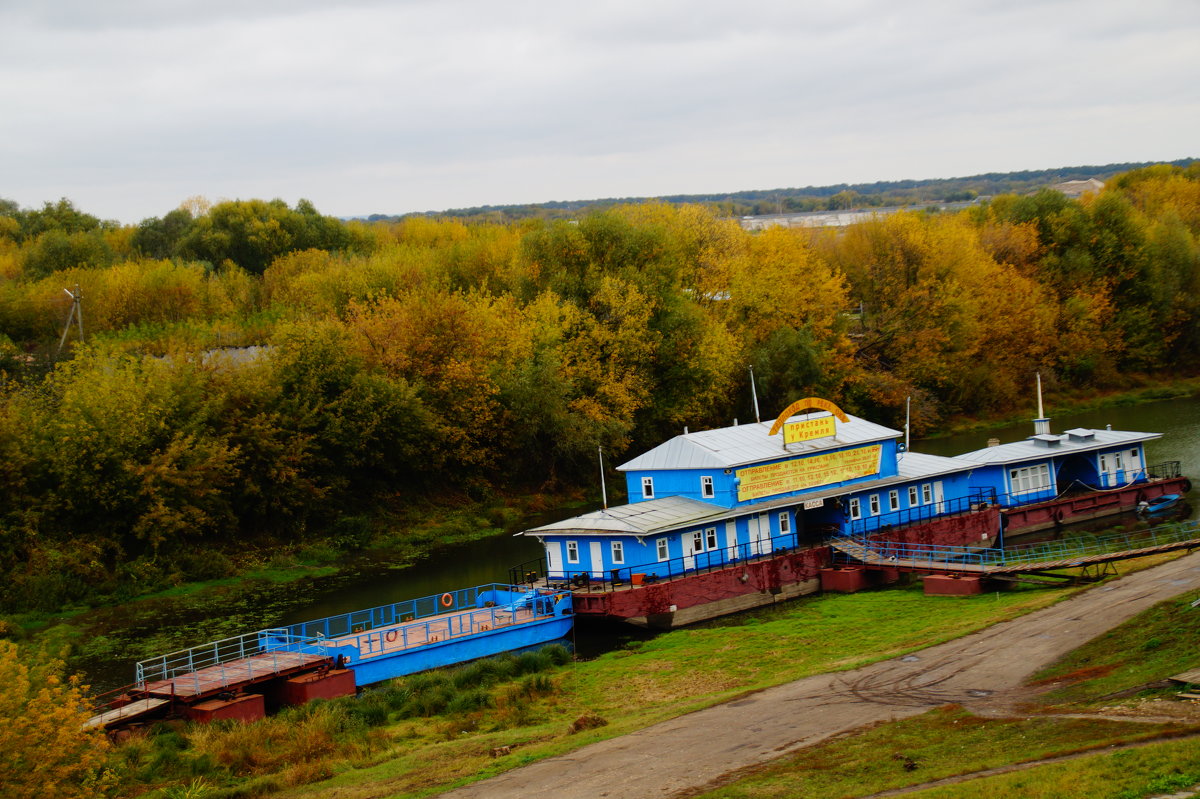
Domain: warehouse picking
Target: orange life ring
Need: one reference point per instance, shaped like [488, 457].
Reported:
[391, 636]
[447, 599]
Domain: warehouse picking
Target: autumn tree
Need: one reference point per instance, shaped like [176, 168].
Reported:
[45, 752]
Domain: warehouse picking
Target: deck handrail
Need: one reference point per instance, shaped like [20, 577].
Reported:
[1068, 549]
[181, 666]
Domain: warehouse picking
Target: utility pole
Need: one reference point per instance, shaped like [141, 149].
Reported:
[76, 315]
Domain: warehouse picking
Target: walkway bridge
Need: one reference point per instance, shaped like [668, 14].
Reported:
[1039, 558]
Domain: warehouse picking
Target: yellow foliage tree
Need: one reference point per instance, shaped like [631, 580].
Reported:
[45, 753]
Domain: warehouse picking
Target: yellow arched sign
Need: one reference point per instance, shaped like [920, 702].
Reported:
[809, 403]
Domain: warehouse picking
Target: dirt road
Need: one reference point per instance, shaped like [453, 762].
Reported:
[983, 672]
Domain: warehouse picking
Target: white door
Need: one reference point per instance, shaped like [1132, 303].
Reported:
[554, 560]
[1134, 466]
[1109, 466]
[597, 560]
[731, 548]
[939, 496]
[760, 534]
[689, 550]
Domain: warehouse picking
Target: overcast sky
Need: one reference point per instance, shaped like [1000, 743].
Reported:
[128, 107]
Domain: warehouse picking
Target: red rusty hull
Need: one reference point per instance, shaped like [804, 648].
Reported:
[710, 594]
[706, 595]
[1092, 505]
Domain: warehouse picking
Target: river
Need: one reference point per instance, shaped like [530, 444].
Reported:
[115, 638]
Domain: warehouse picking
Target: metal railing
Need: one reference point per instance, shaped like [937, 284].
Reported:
[396, 613]
[918, 514]
[227, 661]
[719, 557]
[1069, 549]
[499, 606]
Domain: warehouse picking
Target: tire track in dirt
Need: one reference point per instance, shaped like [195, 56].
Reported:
[984, 670]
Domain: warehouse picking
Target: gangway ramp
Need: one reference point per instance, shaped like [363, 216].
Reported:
[1026, 559]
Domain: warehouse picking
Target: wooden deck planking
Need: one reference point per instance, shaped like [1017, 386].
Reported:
[212, 679]
[871, 558]
[431, 630]
[132, 710]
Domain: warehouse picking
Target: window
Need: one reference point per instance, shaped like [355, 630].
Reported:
[874, 500]
[706, 487]
[697, 541]
[912, 496]
[785, 523]
[572, 552]
[661, 545]
[1031, 478]
[618, 552]
[647, 488]
[894, 499]
[855, 508]
[926, 494]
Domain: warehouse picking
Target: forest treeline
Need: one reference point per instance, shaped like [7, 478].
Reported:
[255, 374]
[838, 196]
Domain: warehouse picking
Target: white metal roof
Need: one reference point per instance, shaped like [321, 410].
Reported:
[1044, 446]
[727, 447]
[639, 518]
[671, 513]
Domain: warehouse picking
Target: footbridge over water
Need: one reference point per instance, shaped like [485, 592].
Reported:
[1006, 562]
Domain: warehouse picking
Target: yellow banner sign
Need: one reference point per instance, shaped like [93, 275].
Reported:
[794, 432]
[801, 473]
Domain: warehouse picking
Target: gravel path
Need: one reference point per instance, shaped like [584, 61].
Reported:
[984, 672]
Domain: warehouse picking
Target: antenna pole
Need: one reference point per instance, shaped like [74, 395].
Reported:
[907, 418]
[76, 315]
[754, 394]
[603, 489]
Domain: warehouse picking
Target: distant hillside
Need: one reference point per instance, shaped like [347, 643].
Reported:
[813, 198]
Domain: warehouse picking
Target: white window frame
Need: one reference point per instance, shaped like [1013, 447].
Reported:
[894, 499]
[662, 549]
[710, 539]
[573, 552]
[707, 490]
[785, 523]
[1029, 479]
[926, 493]
[855, 508]
[873, 503]
[618, 552]
[914, 497]
[697, 541]
[647, 487]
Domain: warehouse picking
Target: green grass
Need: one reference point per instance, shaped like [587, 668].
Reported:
[938, 744]
[720, 660]
[1159, 643]
[1134, 773]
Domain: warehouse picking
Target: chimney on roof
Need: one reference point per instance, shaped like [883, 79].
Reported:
[1041, 425]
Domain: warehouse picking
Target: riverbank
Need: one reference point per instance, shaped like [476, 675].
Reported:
[475, 727]
[1061, 403]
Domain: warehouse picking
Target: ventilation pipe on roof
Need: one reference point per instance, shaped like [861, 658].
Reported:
[1041, 425]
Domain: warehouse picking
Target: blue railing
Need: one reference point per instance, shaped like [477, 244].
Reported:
[719, 557]
[399, 612]
[1026, 554]
[225, 662]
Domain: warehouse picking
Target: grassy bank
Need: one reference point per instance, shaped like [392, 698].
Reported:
[672, 674]
[1120, 669]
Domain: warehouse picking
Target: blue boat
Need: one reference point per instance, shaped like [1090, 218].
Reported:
[1158, 505]
[420, 634]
